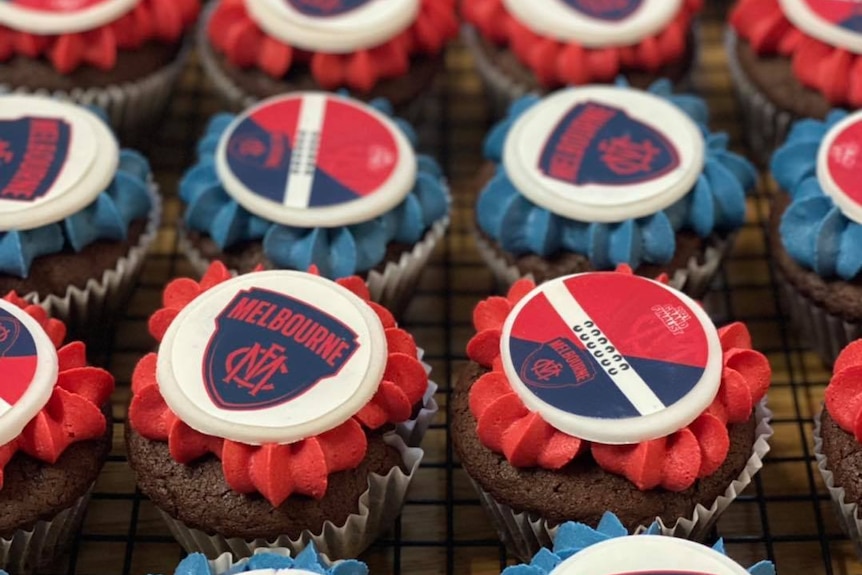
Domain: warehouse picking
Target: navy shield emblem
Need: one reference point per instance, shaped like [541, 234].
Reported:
[269, 348]
[33, 152]
[608, 10]
[558, 363]
[600, 144]
[324, 8]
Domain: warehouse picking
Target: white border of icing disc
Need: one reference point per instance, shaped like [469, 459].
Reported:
[816, 26]
[45, 23]
[848, 206]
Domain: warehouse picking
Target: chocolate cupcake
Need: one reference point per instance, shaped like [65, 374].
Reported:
[77, 212]
[523, 46]
[122, 55]
[607, 391]
[316, 179]
[255, 49]
[267, 560]
[792, 59]
[609, 548]
[274, 413]
[594, 177]
[815, 226]
[54, 432]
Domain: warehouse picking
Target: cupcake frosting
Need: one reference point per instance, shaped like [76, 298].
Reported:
[566, 359]
[364, 185]
[278, 374]
[822, 227]
[614, 198]
[269, 561]
[349, 43]
[844, 392]
[822, 38]
[582, 42]
[66, 183]
[76, 33]
[51, 398]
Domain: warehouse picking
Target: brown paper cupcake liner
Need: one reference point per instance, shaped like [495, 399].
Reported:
[766, 127]
[525, 533]
[694, 279]
[29, 549]
[378, 508]
[97, 301]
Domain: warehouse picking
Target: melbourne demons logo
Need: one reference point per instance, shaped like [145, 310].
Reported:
[558, 363]
[608, 10]
[269, 348]
[326, 7]
[599, 144]
[32, 154]
[18, 358]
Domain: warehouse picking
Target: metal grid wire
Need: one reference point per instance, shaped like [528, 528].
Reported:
[784, 516]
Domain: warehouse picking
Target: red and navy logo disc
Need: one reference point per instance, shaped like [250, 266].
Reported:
[33, 151]
[326, 8]
[599, 144]
[268, 348]
[839, 164]
[18, 358]
[608, 346]
[607, 10]
[316, 159]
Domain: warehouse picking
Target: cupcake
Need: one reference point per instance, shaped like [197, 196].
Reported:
[607, 391]
[316, 179]
[792, 59]
[122, 55]
[54, 432]
[837, 437]
[77, 212]
[578, 548]
[255, 49]
[523, 46]
[815, 226]
[270, 560]
[274, 413]
[594, 177]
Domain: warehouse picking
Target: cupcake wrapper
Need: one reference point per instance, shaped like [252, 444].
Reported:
[826, 333]
[133, 108]
[413, 430]
[525, 533]
[393, 287]
[378, 508]
[29, 549]
[694, 280]
[96, 303]
[766, 126]
[846, 512]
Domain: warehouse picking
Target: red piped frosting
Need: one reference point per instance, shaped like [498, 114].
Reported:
[277, 471]
[73, 412]
[834, 72]
[162, 21]
[675, 462]
[556, 63]
[235, 34]
[844, 392]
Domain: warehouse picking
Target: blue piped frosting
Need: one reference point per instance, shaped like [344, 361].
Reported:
[127, 198]
[337, 251]
[814, 230]
[572, 538]
[307, 560]
[715, 204]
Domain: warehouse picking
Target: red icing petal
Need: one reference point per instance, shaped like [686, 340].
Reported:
[15, 299]
[735, 335]
[754, 367]
[180, 292]
[161, 321]
[641, 464]
[394, 402]
[521, 439]
[65, 419]
[849, 356]
[560, 450]
[236, 466]
[487, 389]
[67, 53]
[497, 418]
[844, 396]
[149, 414]
[344, 447]
[308, 469]
[682, 461]
[714, 441]
[217, 273]
[399, 341]
[407, 372]
[625, 269]
[187, 445]
[272, 472]
[314, 270]
[355, 285]
[91, 383]
[275, 58]
[328, 70]
[373, 415]
[72, 355]
[735, 395]
[386, 317]
[519, 289]
[484, 347]
[491, 313]
[145, 373]
[101, 48]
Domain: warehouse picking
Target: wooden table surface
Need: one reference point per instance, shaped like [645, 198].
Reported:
[785, 515]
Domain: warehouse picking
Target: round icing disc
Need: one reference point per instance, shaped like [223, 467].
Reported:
[839, 165]
[52, 17]
[835, 22]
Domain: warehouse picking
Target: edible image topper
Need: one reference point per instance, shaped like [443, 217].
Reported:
[55, 158]
[315, 159]
[61, 16]
[649, 555]
[595, 23]
[835, 22]
[334, 26]
[604, 154]
[839, 163]
[272, 357]
[28, 362]
[612, 358]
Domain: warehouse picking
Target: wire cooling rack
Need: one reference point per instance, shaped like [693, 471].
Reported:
[784, 516]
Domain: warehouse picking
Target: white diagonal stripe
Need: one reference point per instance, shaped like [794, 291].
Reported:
[4, 407]
[628, 382]
[306, 146]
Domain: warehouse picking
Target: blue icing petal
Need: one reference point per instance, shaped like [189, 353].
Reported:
[807, 130]
[659, 238]
[382, 105]
[521, 105]
[729, 196]
[808, 188]
[268, 561]
[611, 526]
[849, 264]
[410, 221]
[257, 227]
[740, 168]
[829, 233]
[432, 197]
[836, 116]
[194, 564]
[546, 560]
[428, 165]
[134, 164]
[495, 141]
[694, 107]
[762, 568]
[717, 142]
[599, 249]
[625, 245]
[18, 249]
[702, 214]
[719, 546]
[794, 162]
[349, 567]
[542, 232]
[798, 225]
[229, 225]
[371, 240]
[408, 131]
[575, 236]
[200, 215]
[524, 570]
[98, 220]
[494, 202]
[131, 197]
[197, 180]
[308, 560]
